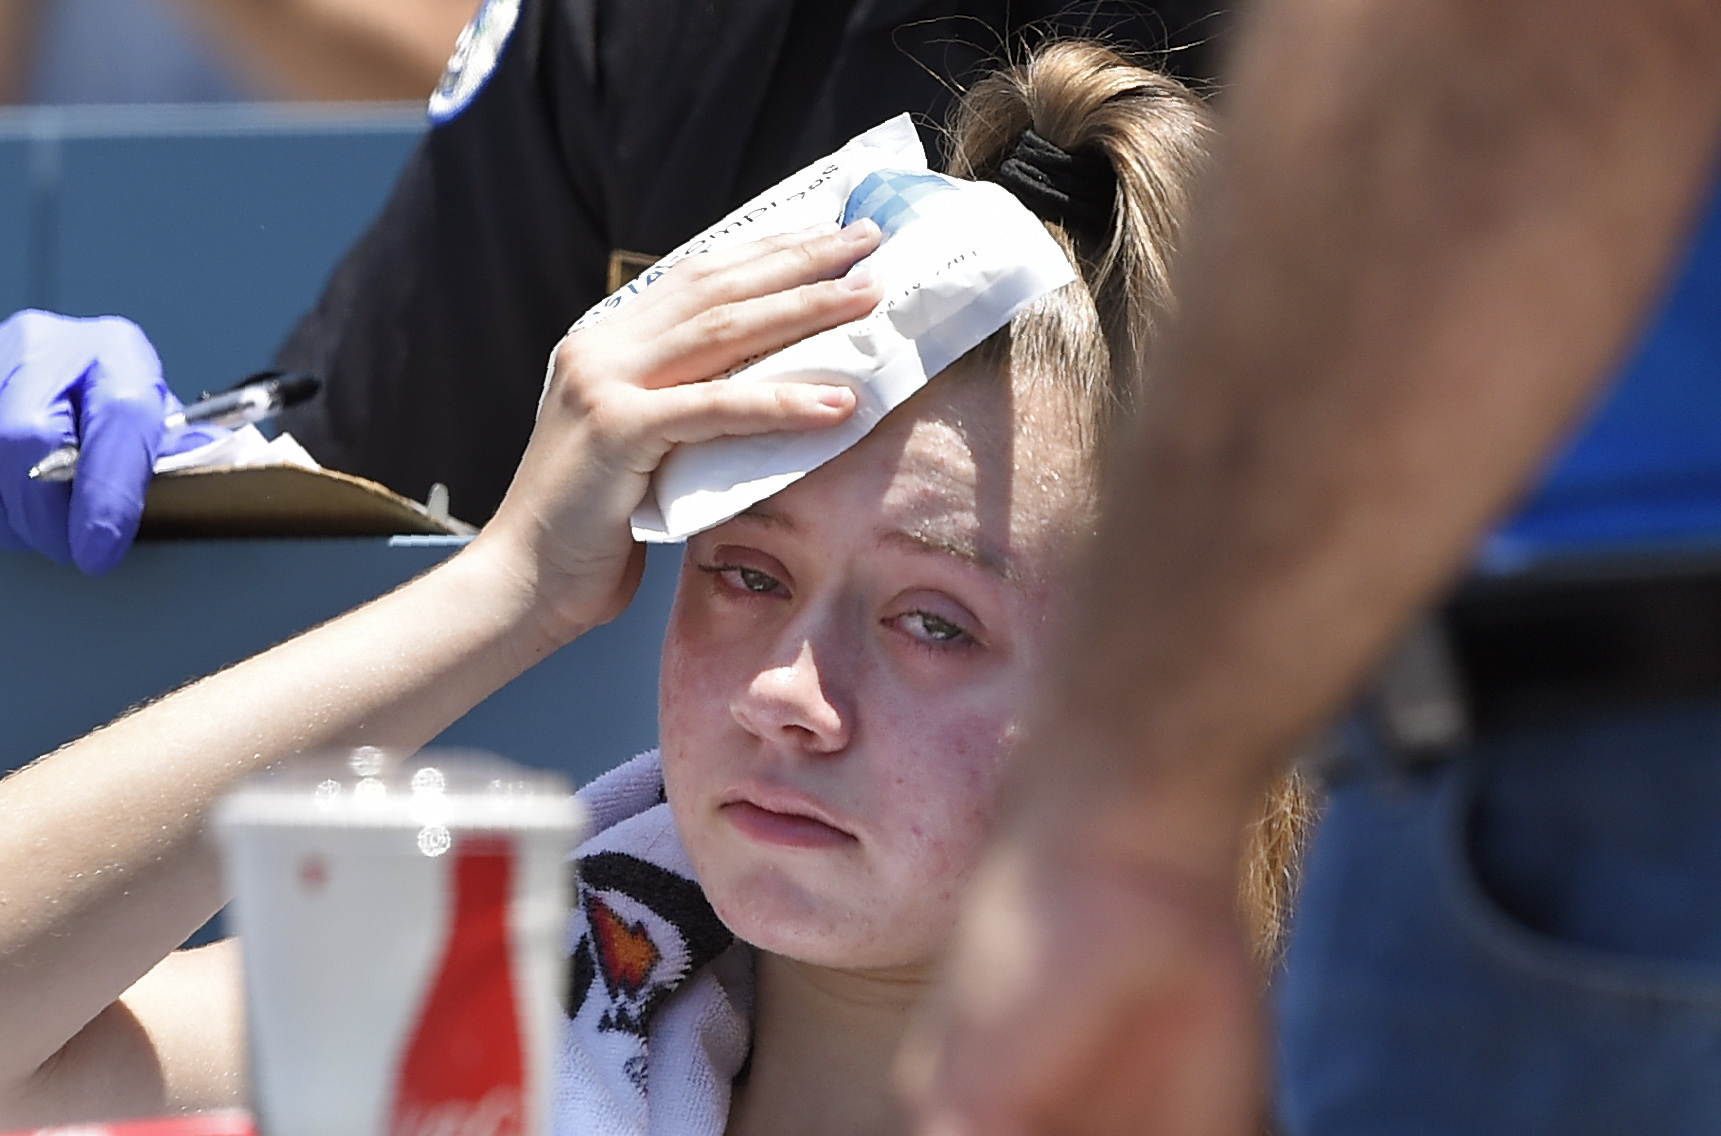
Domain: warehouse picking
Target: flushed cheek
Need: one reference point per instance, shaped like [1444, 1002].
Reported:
[694, 695]
[940, 803]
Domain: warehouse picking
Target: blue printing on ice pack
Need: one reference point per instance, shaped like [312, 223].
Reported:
[888, 197]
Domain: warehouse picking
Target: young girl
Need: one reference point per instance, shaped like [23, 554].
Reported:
[846, 670]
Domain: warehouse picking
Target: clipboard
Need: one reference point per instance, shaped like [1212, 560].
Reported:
[282, 501]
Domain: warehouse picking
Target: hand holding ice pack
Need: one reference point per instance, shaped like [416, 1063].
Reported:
[959, 259]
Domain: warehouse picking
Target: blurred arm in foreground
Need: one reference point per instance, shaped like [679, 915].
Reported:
[292, 49]
[17, 33]
[337, 49]
[1433, 228]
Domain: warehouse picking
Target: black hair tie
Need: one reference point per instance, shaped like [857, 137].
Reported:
[1078, 191]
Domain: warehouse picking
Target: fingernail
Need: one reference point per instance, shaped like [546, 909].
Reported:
[864, 229]
[833, 396]
[857, 279]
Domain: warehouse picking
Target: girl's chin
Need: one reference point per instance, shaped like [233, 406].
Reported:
[785, 919]
[823, 945]
[810, 908]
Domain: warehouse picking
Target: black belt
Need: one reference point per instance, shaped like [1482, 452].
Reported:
[1554, 647]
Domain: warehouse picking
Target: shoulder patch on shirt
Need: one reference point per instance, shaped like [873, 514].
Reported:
[475, 55]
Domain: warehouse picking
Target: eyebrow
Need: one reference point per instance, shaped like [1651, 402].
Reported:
[962, 545]
[938, 539]
[770, 518]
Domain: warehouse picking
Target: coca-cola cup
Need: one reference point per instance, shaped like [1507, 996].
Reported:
[402, 924]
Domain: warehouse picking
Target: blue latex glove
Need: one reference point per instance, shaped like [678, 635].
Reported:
[96, 382]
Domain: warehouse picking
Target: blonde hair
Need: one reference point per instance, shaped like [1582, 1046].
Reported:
[1092, 339]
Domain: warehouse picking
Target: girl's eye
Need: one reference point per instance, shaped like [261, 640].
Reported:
[740, 578]
[754, 580]
[929, 628]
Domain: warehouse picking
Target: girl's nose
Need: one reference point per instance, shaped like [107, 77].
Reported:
[790, 703]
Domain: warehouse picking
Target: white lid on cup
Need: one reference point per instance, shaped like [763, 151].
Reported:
[373, 788]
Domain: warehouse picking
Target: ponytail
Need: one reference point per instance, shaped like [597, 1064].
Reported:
[1091, 103]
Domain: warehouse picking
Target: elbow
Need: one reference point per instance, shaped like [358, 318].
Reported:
[108, 1071]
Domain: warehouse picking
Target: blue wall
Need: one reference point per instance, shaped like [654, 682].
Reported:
[15, 216]
[213, 227]
[79, 651]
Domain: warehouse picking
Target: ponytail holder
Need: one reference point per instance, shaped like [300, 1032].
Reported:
[1078, 191]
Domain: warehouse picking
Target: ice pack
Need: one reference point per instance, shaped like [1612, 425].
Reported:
[959, 259]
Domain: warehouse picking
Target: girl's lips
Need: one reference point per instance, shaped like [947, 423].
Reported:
[790, 830]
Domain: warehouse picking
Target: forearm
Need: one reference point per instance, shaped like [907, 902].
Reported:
[17, 43]
[1431, 233]
[339, 49]
[104, 867]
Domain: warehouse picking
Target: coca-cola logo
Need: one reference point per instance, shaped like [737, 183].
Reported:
[463, 1071]
[499, 1113]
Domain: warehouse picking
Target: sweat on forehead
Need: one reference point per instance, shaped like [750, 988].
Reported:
[1030, 424]
[988, 470]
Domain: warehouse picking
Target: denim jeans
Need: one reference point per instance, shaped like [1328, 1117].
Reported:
[1523, 939]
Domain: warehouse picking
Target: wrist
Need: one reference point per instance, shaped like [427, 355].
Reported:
[1189, 847]
[1099, 797]
[1194, 827]
[534, 620]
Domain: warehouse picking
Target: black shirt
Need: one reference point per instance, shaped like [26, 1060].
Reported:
[617, 124]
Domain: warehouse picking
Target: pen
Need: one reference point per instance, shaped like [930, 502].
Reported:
[258, 397]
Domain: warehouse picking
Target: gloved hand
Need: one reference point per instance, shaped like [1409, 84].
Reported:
[95, 382]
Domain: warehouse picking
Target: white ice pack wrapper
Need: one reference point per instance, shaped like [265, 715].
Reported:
[959, 259]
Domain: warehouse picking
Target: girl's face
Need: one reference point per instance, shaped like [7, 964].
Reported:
[849, 664]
